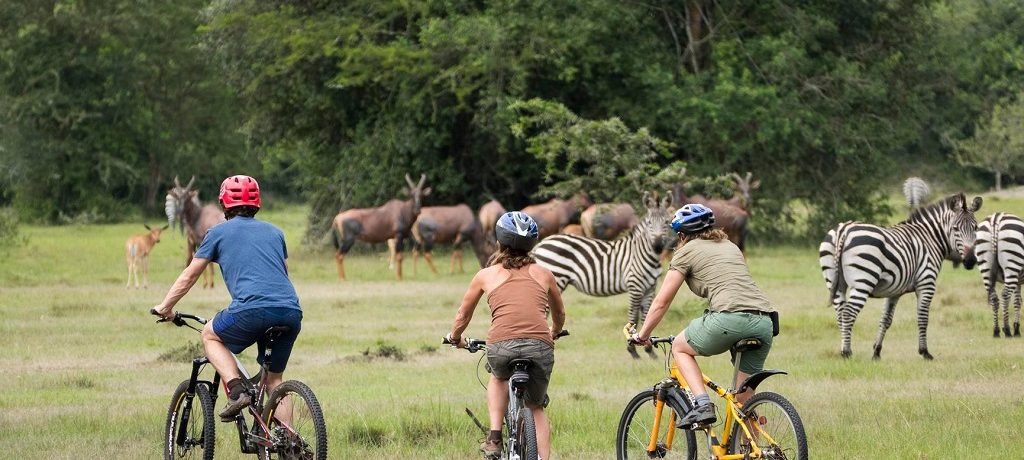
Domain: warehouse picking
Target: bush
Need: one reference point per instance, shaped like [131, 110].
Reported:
[9, 234]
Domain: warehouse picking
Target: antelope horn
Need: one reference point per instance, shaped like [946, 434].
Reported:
[176, 183]
[190, 181]
[423, 178]
[409, 181]
[736, 177]
[749, 175]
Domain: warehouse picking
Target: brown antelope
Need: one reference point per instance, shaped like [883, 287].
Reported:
[605, 221]
[557, 213]
[448, 224]
[136, 253]
[194, 220]
[488, 215]
[393, 219]
[728, 217]
[742, 188]
[572, 229]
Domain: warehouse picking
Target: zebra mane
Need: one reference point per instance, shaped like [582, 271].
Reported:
[951, 202]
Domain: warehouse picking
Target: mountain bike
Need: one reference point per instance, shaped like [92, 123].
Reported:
[767, 426]
[520, 437]
[288, 424]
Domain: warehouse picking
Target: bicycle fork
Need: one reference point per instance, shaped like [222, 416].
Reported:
[186, 413]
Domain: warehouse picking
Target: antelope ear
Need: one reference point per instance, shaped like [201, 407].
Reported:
[147, 226]
[755, 184]
[165, 227]
[976, 205]
[426, 191]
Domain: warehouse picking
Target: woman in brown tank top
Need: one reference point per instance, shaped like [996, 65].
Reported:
[519, 294]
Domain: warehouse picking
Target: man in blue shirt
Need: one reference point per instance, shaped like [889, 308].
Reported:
[251, 255]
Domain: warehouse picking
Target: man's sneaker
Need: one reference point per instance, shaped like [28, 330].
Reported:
[701, 415]
[234, 407]
[491, 449]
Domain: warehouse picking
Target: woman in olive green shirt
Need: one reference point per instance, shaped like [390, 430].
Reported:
[713, 268]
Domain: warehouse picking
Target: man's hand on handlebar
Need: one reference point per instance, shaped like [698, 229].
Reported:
[167, 315]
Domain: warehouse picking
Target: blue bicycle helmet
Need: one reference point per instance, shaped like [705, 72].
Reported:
[516, 230]
[692, 218]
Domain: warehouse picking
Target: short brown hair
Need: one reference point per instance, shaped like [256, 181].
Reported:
[510, 258]
[244, 211]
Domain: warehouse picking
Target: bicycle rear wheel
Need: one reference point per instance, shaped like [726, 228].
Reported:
[196, 417]
[637, 426]
[296, 424]
[522, 435]
[776, 417]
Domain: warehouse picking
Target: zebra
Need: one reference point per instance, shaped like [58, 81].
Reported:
[872, 261]
[1000, 252]
[600, 268]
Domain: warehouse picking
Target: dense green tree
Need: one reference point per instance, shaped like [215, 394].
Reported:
[102, 102]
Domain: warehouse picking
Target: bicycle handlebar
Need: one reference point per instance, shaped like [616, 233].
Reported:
[179, 318]
[629, 329]
[475, 345]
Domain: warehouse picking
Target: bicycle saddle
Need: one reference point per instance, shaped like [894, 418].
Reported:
[748, 344]
[274, 333]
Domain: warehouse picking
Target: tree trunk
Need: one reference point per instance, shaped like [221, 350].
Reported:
[153, 185]
[999, 181]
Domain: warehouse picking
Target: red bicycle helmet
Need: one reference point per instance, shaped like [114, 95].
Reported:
[239, 190]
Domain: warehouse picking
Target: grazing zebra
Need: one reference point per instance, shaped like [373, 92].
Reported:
[873, 261]
[1000, 252]
[603, 268]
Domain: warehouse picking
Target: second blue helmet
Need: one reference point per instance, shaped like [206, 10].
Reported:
[692, 218]
[517, 230]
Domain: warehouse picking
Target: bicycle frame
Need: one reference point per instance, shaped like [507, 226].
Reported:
[734, 414]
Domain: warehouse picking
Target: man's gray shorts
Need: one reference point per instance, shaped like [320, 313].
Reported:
[542, 357]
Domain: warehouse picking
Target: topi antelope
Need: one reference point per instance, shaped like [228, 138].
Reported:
[448, 224]
[393, 219]
[136, 253]
[742, 188]
[194, 220]
[556, 213]
[488, 216]
[605, 221]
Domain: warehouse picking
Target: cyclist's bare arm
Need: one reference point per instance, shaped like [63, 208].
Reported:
[673, 281]
[469, 301]
[554, 301]
[185, 281]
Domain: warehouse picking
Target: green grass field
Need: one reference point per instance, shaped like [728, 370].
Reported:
[88, 380]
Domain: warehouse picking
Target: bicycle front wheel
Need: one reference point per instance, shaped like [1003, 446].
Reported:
[774, 425]
[189, 432]
[636, 429]
[522, 435]
[296, 424]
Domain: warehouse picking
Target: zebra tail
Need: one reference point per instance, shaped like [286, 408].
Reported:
[916, 191]
[838, 283]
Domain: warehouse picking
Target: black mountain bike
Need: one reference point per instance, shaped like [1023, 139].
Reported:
[520, 430]
[287, 425]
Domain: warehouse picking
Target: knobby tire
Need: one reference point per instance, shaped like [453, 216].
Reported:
[634, 432]
[780, 420]
[309, 441]
[200, 439]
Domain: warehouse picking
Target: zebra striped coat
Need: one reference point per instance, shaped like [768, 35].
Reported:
[1000, 252]
[862, 260]
[630, 264]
